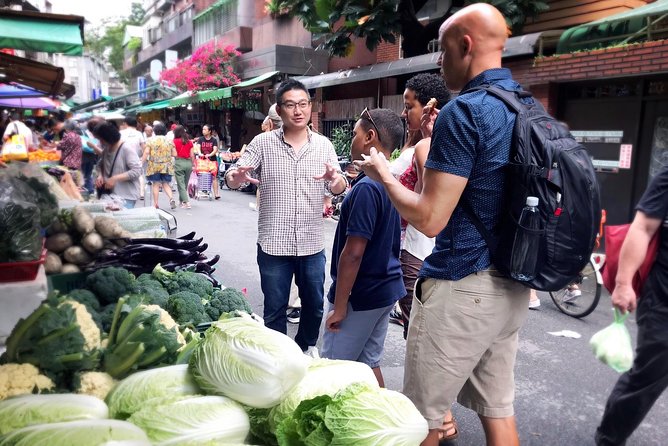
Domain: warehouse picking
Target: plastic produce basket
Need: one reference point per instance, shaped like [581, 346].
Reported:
[21, 271]
[64, 283]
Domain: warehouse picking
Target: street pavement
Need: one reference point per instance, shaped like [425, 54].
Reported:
[561, 388]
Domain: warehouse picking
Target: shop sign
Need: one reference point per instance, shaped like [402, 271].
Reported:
[625, 152]
[605, 164]
[598, 136]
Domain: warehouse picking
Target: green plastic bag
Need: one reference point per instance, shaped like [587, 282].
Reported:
[612, 345]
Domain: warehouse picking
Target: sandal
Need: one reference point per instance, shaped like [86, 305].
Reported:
[448, 426]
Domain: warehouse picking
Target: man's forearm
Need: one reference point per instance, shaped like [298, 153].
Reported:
[348, 268]
[632, 254]
[339, 185]
[405, 201]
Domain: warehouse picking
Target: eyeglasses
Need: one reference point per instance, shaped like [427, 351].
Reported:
[366, 115]
[290, 106]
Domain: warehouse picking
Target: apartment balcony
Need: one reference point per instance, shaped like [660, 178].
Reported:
[165, 38]
[158, 7]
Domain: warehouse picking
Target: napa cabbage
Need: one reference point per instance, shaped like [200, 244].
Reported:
[201, 419]
[149, 387]
[243, 360]
[358, 415]
[74, 433]
[27, 410]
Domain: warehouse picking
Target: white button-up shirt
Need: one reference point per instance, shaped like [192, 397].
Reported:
[290, 221]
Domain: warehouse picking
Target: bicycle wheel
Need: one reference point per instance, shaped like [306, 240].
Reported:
[584, 304]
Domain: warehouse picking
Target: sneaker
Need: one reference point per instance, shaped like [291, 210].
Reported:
[571, 295]
[172, 204]
[312, 351]
[395, 317]
[294, 315]
[534, 304]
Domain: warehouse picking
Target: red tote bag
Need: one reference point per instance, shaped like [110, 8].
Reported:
[614, 239]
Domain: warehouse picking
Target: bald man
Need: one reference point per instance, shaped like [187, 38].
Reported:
[463, 333]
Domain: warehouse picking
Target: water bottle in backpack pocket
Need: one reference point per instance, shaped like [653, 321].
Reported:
[527, 243]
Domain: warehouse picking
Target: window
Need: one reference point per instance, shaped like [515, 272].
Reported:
[216, 22]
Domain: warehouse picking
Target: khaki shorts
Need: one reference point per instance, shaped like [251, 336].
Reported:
[462, 342]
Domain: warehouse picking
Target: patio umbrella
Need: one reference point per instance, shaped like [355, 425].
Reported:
[42, 102]
[19, 91]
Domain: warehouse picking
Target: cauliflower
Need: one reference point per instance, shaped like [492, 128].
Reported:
[19, 379]
[97, 384]
[60, 336]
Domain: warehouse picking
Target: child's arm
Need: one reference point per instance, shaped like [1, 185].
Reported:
[349, 265]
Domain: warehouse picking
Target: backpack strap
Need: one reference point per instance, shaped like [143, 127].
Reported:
[490, 239]
[511, 98]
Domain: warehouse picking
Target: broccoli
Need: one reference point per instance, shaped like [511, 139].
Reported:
[109, 284]
[85, 297]
[19, 379]
[106, 316]
[187, 308]
[225, 301]
[141, 336]
[149, 286]
[58, 337]
[183, 281]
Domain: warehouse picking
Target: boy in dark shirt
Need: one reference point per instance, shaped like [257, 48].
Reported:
[366, 273]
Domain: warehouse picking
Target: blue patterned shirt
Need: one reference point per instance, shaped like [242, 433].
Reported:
[471, 139]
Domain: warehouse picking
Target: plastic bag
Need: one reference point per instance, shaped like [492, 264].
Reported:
[192, 185]
[21, 239]
[15, 148]
[612, 345]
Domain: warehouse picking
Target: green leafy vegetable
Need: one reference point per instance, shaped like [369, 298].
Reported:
[109, 284]
[360, 415]
[324, 377]
[226, 301]
[141, 336]
[148, 387]
[74, 433]
[241, 359]
[183, 281]
[59, 336]
[201, 419]
[28, 410]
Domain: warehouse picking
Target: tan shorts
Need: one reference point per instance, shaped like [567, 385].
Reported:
[462, 342]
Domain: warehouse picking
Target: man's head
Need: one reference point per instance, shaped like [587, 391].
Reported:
[472, 41]
[16, 116]
[293, 104]
[380, 128]
[148, 130]
[130, 121]
[159, 129]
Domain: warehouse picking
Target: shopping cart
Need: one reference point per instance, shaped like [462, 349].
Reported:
[205, 170]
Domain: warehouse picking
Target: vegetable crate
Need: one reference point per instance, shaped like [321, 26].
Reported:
[21, 271]
[64, 283]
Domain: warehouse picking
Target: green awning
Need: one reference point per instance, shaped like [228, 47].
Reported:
[182, 99]
[255, 80]
[30, 33]
[210, 9]
[154, 106]
[212, 95]
[640, 24]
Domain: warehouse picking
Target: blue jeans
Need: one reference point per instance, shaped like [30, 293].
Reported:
[276, 278]
[87, 165]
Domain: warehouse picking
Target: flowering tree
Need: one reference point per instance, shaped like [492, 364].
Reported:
[209, 67]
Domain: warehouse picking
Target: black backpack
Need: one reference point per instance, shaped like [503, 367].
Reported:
[545, 162]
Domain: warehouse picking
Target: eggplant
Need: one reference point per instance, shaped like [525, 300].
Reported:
[188, 236]
[166, 242]
[201, 248]
[211, 261]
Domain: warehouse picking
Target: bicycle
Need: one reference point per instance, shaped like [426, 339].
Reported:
[588, 283]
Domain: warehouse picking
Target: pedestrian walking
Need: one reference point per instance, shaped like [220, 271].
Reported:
[183, 165]
[289, 162]
[463, 332]
[636, 390]
[158, 156]
[208, 145]
[366, 272]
